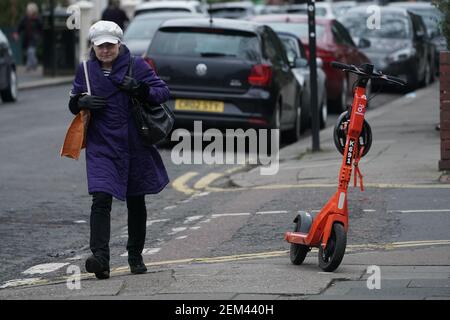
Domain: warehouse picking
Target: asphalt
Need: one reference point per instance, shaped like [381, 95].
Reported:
[405, 153]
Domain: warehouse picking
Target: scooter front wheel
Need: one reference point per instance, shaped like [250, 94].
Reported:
[298, 252]
[331, 257]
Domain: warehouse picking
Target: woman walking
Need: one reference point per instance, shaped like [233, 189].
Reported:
[118, 164]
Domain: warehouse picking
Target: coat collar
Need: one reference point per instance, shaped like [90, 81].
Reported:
[107, 86]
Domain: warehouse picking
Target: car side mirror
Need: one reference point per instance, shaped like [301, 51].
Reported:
[300, 63]
[291, 56]
[363, 43]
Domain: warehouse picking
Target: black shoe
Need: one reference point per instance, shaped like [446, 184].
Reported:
[137, 265]
[93, 265]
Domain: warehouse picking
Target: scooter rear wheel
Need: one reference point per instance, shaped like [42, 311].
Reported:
[331, 257]
[298, 252]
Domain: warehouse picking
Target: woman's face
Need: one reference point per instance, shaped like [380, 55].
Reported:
[107, 52]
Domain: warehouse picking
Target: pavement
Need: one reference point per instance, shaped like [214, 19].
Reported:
[35, 78]
[405, 154]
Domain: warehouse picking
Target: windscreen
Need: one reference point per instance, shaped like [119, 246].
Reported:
[391, 26]
[207, 43]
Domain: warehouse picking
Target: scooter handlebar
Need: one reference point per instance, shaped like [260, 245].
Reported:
[395, 79]
[360, 71]
[339, 65]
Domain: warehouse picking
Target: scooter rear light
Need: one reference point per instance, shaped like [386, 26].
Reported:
[260, 75]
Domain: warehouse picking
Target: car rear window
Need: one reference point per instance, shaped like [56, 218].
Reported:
[228, 12]
[206, 43]
[142, 28]
[162, 9]
[299, 29]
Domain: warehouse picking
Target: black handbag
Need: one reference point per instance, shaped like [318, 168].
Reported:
[154, 122]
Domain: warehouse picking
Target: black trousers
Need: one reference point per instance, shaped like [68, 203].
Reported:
[101, 225]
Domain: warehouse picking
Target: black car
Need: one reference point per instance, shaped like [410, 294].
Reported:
[8, 76]
[227, 73]
[398, 45]
[432, 17]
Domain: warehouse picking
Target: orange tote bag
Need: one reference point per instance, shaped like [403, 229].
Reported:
[75, 138]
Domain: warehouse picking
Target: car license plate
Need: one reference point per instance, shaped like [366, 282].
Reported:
[199, 105]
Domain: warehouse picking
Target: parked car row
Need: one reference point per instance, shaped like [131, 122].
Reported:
[333, 44]
[251, 69]
[398, 44]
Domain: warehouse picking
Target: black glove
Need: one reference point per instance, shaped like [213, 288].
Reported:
[136, 88]
[91, 102]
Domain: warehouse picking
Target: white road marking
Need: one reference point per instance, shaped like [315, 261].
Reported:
[419, 211]
[150, 222]
[176, 230]
[181, 237]
[271, 212]
[19, 282]
[205, 221]
[80, 221]
[169, 207]
[230, 214]
[146, 252]
[191, 219]
[77, 257]
[202, 194]
[195, 228]
[44, 268]
[369, 210]
[150, 251]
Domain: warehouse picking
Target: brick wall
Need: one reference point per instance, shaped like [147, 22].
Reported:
[444, 76]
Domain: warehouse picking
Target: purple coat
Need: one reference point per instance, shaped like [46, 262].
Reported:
[116, 160]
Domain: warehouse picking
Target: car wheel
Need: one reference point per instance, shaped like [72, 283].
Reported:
[323, 113]
[294, 134]
[10, 93]
[427, 76]
[340, 105]
[276, 119]
[412, 83]
[305, 117]
[275, 124]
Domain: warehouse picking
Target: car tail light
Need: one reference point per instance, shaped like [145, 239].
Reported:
[258, 121]
[260, 75]
[150, 62]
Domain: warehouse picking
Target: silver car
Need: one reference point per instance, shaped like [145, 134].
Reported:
[296, 54]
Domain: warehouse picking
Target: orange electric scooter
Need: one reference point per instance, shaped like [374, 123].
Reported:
[353, 138]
